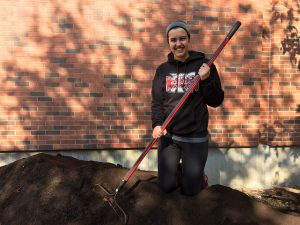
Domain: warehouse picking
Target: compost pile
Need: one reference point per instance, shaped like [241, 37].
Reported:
[59, 190]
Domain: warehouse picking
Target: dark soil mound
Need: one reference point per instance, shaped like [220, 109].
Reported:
[59, 190]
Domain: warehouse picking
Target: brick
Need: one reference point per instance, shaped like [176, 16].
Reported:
[61, 127]
[38, 133]
[249, 56]
[51, 75]
[51, 84]
[73, 79]
[248, 83]
[45, 147]
[82, 141]
[103, 108]
[81, 85]
[89, 136]
[73, 50]
[96, 94]
[228, 69]
[58, 60]
[124, 114]
[124, 95]
[22, 83]
[120, 127]
[137, 104]
[33, 93]
[90, 146]
[63, 24]
[44, 99]
[53, 132]
[110, 113]
[82, 95]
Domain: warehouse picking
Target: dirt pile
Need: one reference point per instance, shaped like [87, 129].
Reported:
[59, 190]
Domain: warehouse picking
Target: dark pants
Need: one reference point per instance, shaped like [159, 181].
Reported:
[193, 157]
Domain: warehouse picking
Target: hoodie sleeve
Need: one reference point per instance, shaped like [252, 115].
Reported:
[212, 89]
[157, 101]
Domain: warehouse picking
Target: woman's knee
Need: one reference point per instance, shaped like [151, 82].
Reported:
[191, 186]
[167, 184]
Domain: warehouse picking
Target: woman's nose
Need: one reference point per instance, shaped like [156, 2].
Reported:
[178, 43]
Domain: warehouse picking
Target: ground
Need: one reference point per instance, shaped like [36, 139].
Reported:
[59, 190]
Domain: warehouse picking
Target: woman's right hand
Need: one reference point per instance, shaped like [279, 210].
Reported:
[157, 132]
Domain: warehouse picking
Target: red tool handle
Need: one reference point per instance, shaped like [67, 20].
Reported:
[179, 105]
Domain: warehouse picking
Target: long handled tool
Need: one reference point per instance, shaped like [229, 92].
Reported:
[111, 197]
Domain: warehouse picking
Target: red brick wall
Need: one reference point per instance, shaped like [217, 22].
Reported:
[76, 74]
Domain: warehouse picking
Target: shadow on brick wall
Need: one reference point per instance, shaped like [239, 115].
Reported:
[87, 86]
[57, 94]
[282, 127]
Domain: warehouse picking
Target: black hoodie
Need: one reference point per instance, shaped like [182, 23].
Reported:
[171, 81]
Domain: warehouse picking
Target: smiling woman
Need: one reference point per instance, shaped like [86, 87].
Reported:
[183, 145]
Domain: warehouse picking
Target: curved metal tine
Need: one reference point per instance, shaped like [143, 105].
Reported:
[118, 209]
[104, 189]
[112, 201]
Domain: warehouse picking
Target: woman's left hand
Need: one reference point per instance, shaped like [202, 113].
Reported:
[204, 71]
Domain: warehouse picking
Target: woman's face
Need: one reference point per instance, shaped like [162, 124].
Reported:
[179, 42]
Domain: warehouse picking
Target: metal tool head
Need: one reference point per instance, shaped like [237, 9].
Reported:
[111, 199]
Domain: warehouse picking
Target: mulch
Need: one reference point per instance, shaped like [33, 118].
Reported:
[59, 190]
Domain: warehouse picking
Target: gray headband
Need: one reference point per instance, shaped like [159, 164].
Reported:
[177, 24]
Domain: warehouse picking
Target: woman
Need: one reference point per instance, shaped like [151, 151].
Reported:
[183, 146]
